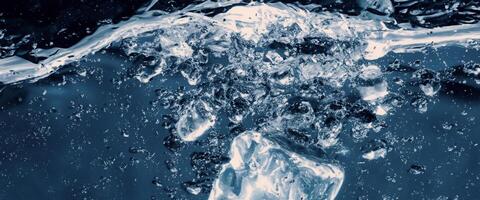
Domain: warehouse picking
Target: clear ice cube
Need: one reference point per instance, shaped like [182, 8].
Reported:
[263, 169]
[195, 120]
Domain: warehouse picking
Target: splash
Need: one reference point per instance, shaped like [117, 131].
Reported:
[252, 22]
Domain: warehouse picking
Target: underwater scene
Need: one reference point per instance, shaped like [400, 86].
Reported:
[240, 100]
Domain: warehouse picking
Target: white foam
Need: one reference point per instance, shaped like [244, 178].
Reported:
[380, 43]
[15, 69]
[251, 22]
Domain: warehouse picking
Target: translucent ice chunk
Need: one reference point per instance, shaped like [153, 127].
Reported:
[381, 110]
[195, 120]
[375, 92]
[375, 149]
[376, 154]
[370, 72]
[261, 169]
[428, 90]
[194, 190]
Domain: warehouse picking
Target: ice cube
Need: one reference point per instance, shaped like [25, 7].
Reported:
[370, 72]
[375, 149]
[262, 169]
[375, 154]
[195, 120]
[428, 89]
[372, 93]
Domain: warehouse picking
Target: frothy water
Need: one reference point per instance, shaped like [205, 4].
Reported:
[251, 22]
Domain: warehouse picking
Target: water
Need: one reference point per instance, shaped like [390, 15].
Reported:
[149, 107]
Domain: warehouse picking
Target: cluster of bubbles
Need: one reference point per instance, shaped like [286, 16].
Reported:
[277, 75]
[284, 80]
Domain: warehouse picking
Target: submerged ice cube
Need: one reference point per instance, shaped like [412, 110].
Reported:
[195, 120]
[262, 169]
[375, 149]
[370, 72]
[372, 93]
[375, 154]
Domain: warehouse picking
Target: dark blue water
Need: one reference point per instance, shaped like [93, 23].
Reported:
[98, 136]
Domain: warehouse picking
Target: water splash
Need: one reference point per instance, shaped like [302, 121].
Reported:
[251, 22]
